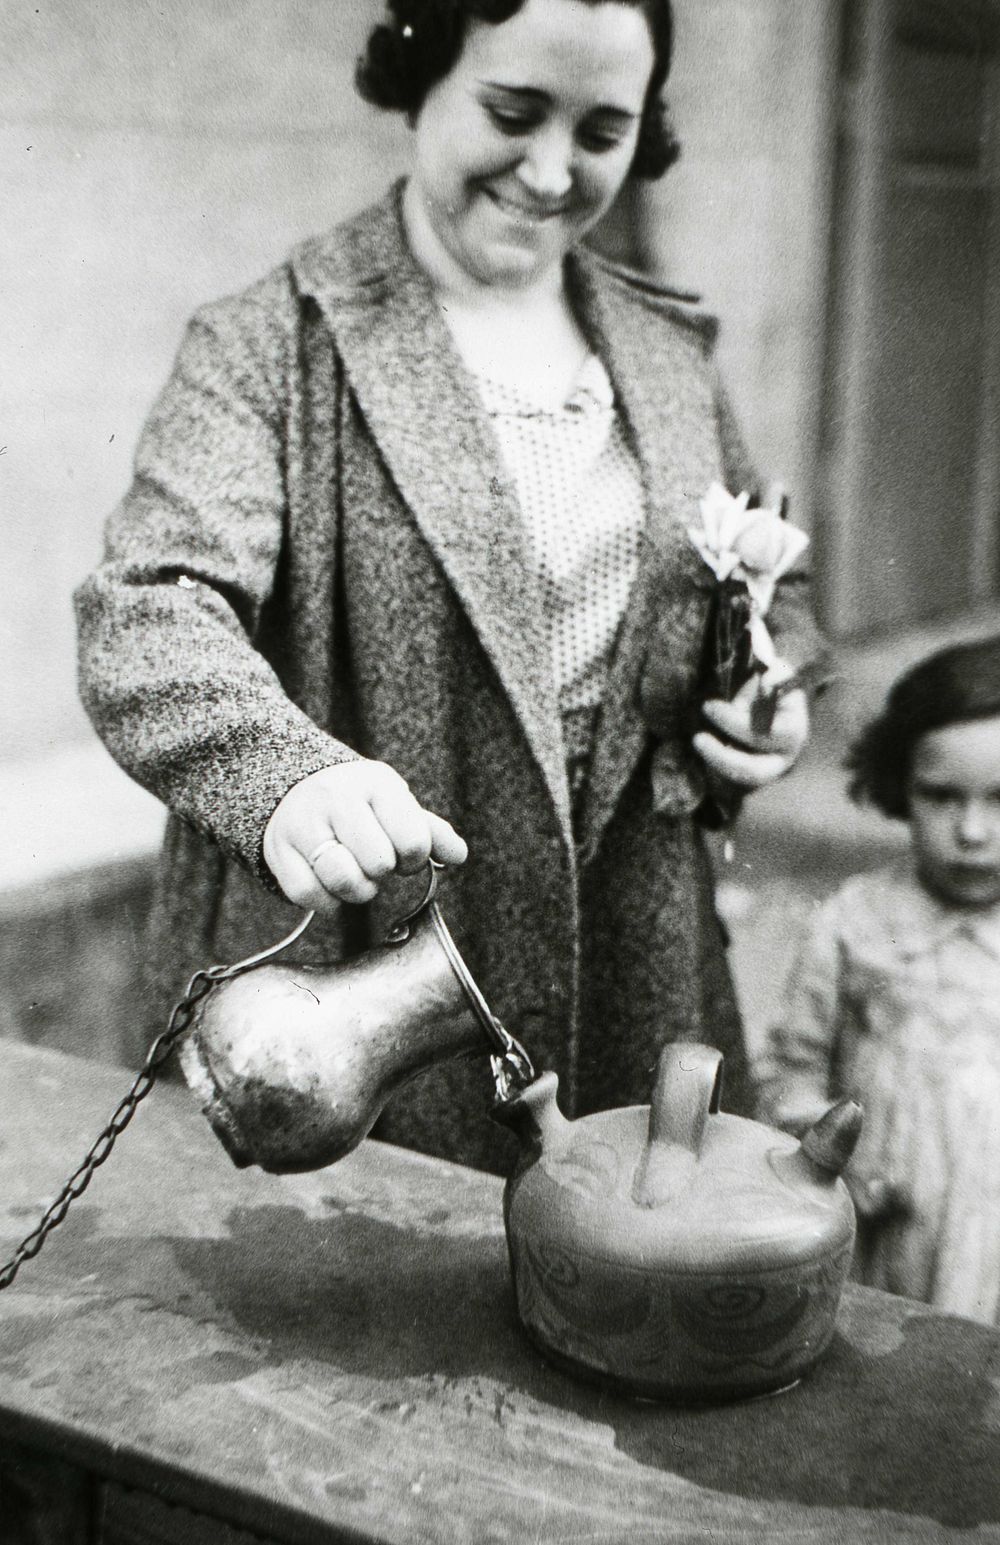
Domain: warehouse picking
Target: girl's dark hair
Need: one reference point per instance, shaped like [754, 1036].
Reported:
[949, 687]
[420, 41]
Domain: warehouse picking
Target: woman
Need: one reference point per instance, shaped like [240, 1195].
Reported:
[405, 547]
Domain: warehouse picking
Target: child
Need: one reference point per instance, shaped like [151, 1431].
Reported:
[896, 996]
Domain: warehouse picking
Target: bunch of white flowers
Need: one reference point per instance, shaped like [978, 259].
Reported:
[749, 547]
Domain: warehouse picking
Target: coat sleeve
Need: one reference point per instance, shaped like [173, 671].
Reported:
[797, 1057]
[168, 669]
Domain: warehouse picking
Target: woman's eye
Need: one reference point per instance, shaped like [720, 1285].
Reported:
[600, 140]
[511, 122]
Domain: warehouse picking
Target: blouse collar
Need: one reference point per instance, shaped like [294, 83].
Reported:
[920, 923]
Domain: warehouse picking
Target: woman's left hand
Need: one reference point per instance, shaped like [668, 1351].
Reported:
[757, 757]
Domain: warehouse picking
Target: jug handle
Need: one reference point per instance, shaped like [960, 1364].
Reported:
[401, 931]
[687, 1091]
[398, 933]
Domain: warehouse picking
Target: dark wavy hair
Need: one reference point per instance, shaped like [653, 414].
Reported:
[952, 686]
[420, 41]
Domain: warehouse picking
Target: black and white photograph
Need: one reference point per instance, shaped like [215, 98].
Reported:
[500, 772]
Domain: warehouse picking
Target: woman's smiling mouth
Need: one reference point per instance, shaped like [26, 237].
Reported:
[534, 214]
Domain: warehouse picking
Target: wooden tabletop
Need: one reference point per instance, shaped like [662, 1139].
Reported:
[335, 1357]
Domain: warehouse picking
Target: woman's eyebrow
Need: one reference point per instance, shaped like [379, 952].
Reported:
[534, 94]
[608, 110]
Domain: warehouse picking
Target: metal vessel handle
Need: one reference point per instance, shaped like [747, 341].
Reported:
[401, 930]
[512, 1067]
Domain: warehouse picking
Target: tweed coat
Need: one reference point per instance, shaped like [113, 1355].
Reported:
[321, 555]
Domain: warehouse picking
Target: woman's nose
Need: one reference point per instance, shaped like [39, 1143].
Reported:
[547, 166]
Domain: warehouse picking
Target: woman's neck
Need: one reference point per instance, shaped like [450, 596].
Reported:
[522, 335]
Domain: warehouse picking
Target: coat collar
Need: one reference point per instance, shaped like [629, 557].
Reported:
[426, 415]
[423, 410]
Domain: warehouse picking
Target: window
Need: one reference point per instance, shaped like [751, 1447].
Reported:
[910, 484]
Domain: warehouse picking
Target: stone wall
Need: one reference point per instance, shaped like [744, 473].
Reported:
[155, 157]
[745, 215]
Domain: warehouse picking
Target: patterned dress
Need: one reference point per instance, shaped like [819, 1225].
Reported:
[581, 499]
[895, 1000]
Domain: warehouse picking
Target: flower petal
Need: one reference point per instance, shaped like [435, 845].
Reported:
[760, 544]
[720, 563]
[761, 642]
[734, 519]
[711, 518]
[721, 515]
[795, 544]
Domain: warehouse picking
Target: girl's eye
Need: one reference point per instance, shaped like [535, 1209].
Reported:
[935, 794]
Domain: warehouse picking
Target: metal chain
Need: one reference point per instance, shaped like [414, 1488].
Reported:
[78, 1182]
[180, 1019]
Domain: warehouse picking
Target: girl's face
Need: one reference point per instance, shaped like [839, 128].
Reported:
[528, 140]
[954, 804]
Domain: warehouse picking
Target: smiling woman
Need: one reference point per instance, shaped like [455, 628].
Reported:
[406, 545]
[422, 42]
[521, 149]
[524, 135]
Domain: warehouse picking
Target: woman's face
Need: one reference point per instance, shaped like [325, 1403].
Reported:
[954, 804]
[527, 141]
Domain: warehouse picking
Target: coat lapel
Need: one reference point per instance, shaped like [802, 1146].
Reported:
[663, 384]
[424, 413]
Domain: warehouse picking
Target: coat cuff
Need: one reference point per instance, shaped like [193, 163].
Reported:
[236, 797]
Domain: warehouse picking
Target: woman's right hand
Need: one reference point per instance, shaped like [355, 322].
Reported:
[337, 833]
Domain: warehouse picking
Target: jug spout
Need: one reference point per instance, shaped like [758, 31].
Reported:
[534, 1117]
[826, 1147]
[829, 1143]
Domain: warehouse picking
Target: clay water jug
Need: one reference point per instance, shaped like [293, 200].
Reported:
[672, 1251]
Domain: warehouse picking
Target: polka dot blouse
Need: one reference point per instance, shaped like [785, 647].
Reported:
[581, 497]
